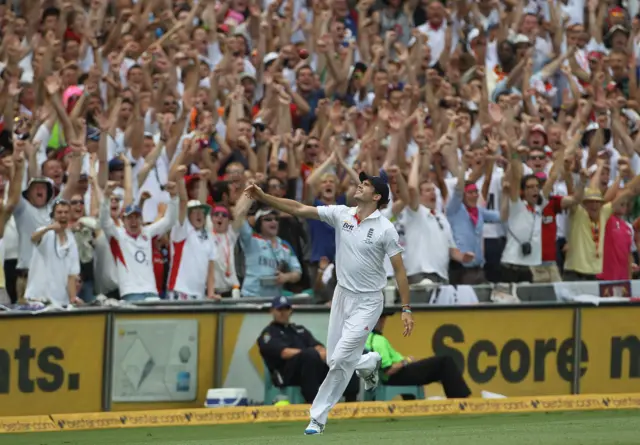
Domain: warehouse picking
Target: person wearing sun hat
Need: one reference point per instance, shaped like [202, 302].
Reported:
[31, 210]
[587, 223]
[193, 254]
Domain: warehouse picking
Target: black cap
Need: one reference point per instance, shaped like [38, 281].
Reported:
[116, 164]
[379, 184]
[360, 66]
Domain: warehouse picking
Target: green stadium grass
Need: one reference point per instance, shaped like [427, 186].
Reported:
[558, 428]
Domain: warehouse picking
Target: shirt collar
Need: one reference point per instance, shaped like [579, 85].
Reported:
[441, 26]
[375, 214]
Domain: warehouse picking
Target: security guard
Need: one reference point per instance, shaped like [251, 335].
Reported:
[398, 370]
[294, 357]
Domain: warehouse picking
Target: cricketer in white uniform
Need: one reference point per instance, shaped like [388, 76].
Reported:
[363, 238]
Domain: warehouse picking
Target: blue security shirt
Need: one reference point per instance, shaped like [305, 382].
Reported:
[261, 263]
[467, 236]
[323, 236]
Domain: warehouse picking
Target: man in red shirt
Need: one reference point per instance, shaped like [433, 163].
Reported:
[548, 271]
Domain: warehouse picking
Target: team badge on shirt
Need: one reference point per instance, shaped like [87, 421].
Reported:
[369, 238]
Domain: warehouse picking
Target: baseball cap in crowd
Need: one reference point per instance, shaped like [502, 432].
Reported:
[269, 58]
[359, 67]
[280, 303]
[71, 94]
[539, 128]
[595, 56]
[131, 209]
[249, 76]
[218, 209]
[195, 204]
[264, 212]
[519, 39]
[590, 130]
[190, 180]
[380, 185]
[616, 28]
[93, 133]
[258, 124]
[117, 164]
[542, 176]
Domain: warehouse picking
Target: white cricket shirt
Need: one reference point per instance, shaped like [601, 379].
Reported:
[133, 255]
[191, 251]
[51, 265]
[429, 238]
[361, 247]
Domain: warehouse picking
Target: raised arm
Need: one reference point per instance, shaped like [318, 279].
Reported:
[106, 223]
[171, 217]
[289, 206]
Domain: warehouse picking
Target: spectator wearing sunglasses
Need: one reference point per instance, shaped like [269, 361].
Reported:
[270, 262]
[430, 245]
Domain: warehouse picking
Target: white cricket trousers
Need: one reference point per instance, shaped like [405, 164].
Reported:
[352, 317]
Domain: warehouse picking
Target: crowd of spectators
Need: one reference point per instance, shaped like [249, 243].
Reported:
[507, 130]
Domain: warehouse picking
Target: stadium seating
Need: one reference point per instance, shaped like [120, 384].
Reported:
[271, 391]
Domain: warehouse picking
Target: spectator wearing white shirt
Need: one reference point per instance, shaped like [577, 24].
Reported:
[54, 265]
[193, 253]
[131, 245]
[437, 28]
[523, 216]
[430, 245]
[31, 210]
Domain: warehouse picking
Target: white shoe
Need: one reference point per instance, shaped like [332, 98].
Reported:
[372, 379]
[314, 427]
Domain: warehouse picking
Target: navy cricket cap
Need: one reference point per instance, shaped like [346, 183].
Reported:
[116, 165]
[131, 209]
[380, 185]
[280, 303]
